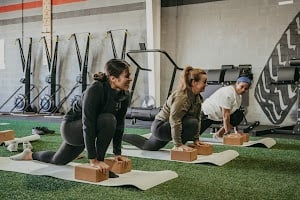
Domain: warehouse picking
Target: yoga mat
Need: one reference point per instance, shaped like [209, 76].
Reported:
[54, 116]
[29, 138]
[25, 114]
[142, 180]
[217, 159]
[265, 142]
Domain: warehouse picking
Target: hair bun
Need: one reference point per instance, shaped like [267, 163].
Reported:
[100, 76]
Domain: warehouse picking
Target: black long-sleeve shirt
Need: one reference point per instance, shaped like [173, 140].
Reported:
[100, 98]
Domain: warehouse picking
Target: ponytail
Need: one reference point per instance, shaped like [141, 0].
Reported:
[188, 75]
[100, 76]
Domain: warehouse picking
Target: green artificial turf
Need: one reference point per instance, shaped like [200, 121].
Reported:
[258, 173]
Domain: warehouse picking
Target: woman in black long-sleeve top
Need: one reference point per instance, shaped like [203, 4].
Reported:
[94, 122]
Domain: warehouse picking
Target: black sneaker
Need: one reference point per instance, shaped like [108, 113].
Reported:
[46, 130]
[41, 131]
[37, 131]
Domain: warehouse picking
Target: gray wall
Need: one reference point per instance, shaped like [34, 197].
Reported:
[209, 35]
[205, 35]
[96, 17]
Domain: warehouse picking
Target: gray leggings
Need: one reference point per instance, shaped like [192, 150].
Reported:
[161, 133]
[235, 119]
[73, 143]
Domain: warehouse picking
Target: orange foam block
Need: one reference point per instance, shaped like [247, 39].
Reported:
[118, 167]
[184, 155]
[203, 149]
[233, 139]
[86, 172]
[7, 135]
[245, 136]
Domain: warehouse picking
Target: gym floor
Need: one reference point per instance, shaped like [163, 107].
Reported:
[146, 125]
[258, 172]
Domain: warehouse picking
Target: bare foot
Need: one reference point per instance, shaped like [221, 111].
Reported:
[25, 155]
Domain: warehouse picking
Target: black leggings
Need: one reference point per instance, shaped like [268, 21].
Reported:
[73, 142]
[235, 119]
[161, 134]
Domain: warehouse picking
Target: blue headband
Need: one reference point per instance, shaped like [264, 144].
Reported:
[244, 79]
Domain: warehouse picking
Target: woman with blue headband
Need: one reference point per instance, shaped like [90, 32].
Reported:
[224, 106]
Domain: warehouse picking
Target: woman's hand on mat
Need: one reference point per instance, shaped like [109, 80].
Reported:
[123, 159]
[104, 168]
[183, 148]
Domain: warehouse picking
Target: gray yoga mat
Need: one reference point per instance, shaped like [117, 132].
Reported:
[142, 180]
[218, 159]
[265, 142]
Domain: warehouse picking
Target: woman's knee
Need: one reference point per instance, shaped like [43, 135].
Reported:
[161, 130]
[190, 123]
[71, 132]
[189, 128]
